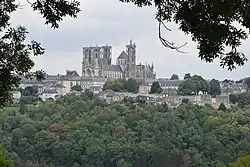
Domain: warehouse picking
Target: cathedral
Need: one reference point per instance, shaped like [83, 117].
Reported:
[97, 63]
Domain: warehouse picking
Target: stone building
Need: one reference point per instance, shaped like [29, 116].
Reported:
[69, 80]
[112, 71]
[97, 63]
[166, 83]
[231, 87]
[95, 59]
[72, 78]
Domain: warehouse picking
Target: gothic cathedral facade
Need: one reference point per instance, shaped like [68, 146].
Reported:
[97, 63]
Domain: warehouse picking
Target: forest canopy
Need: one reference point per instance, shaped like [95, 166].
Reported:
[76, 131]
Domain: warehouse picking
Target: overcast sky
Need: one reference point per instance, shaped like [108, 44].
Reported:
[111, 22]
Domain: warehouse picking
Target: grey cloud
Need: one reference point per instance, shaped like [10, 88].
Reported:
[96, 24]
[114, 23]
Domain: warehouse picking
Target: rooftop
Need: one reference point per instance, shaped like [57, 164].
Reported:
[167, 82]
[123, 55]
[116, 68]
[72, 73]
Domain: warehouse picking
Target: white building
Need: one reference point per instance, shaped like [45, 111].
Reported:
[16, 95]
[169, 84]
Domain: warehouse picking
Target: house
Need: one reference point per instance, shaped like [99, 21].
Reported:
[69, 80]
[230, 87]
[16, 96]
[25, 83]
[49, 94]
[86, 83]
[60, 89]
[94, 84]
[95, 89]
[145, 99]
[144, 89]
[172, 84]
[98, 82]
[223, 99]
[169, 92]
[145, 85]
[103, 95]
[113, 97]
[110, 96]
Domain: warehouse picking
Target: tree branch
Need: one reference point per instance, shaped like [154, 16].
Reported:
[165, 42]
[29, 2]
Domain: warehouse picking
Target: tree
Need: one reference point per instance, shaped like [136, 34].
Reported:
[187, 76]
[247, 82]
[187, 87]
[243, 99]
[222, 107]
[4, 161]
[185, 101]
[233, 98]
[243, 161]
[89, 93]
[193, 85]
[119, 85]
[174, 77]
[77, 88]
[155, 88]
[131, 85]
[30, 91]
[80, 131]
[15, 52]
[201, 84]
[210, 23]
[159, 90]
[115, 85]
[21, 107]
[214, 87]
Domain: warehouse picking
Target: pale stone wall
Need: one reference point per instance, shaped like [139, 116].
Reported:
[113, 74]
[223, 99]
[68, 84]
[144, 89]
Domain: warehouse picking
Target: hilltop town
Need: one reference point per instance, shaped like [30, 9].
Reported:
[116, 111]
[97, 70]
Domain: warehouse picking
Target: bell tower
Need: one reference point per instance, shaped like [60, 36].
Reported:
[131, 60]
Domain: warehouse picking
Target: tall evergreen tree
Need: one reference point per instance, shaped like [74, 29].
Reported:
[214, 87]
[174, 77]
[155, 88]
[222, 107]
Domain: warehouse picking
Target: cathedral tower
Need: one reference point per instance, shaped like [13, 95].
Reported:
[106, 55]
[131, 60]
[94, 58]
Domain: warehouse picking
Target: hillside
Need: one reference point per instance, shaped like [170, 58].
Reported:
[78, 131]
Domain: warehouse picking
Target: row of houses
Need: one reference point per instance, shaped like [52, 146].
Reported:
[57, 85]
[109, 96]
[171, 86]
